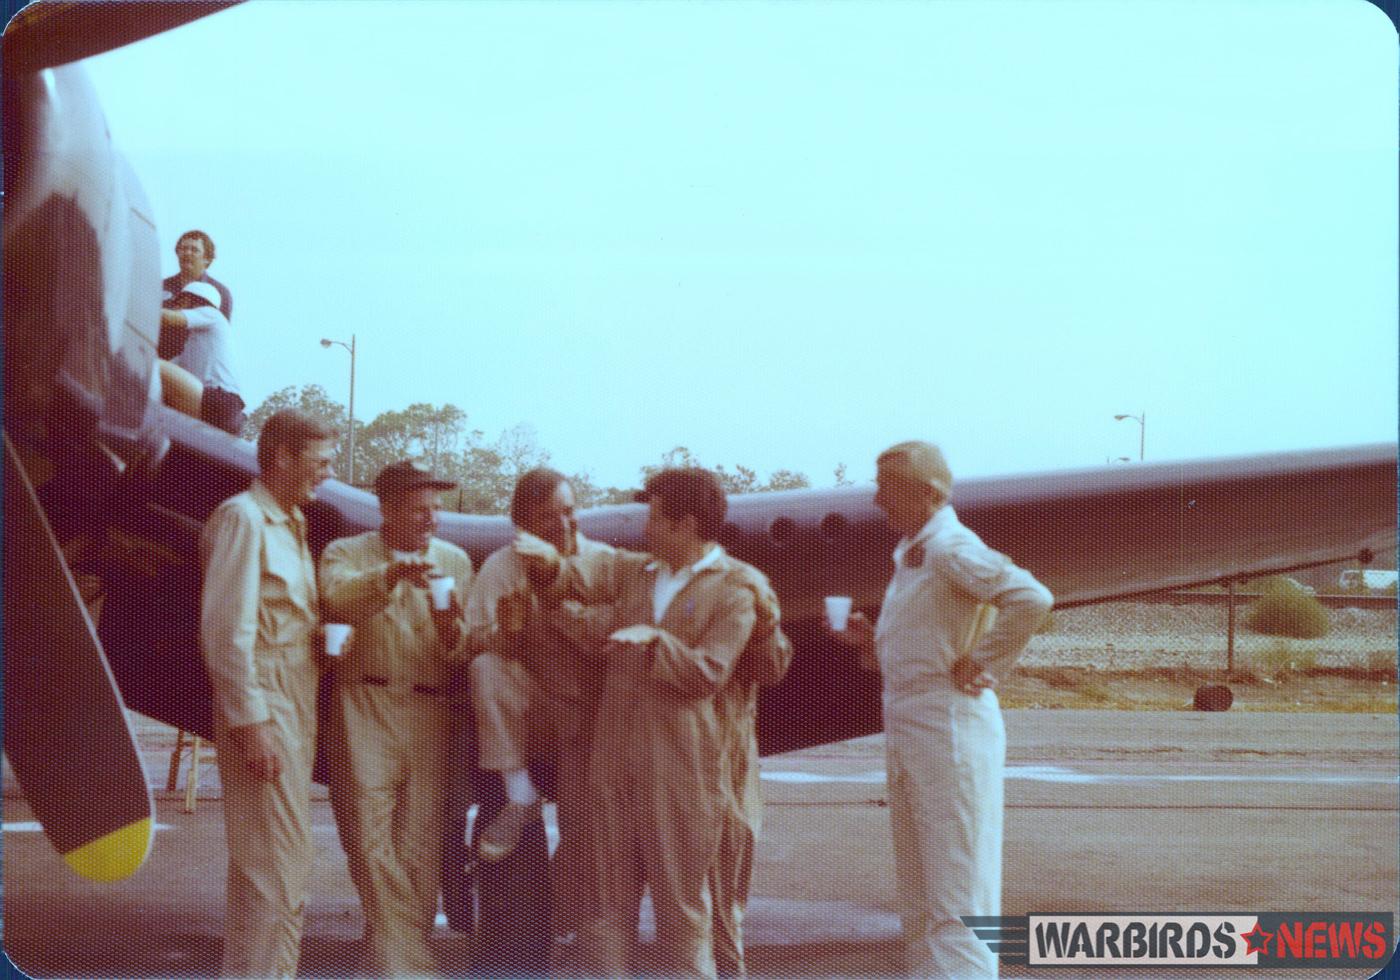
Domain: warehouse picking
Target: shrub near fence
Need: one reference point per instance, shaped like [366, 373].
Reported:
[1285, 610]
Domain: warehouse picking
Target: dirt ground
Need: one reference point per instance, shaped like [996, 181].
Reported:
[1149, 656]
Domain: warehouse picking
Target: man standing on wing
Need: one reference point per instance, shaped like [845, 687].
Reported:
[389, 713]
[945, 742]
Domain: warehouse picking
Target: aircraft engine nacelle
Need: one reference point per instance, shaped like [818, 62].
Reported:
[81, 283]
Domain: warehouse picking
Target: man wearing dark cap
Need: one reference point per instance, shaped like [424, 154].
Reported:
[660, 786]
[389, 719]
[944, 739]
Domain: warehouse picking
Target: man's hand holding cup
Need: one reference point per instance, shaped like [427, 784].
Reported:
[445, 608]
[413, 572]
[852, 629]
[540, 558]
[513, 611]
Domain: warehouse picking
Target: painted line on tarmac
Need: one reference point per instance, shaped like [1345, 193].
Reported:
[33, 827]
[1060, 774]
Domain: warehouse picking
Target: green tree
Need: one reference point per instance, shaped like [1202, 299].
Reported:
[434, 435]
[489, 472]
[589, 494]
[743, 480]
[841, 479]
[313, 400]
[787, 480]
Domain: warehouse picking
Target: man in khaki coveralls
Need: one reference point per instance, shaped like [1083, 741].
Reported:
[945, 743]
[258, 616]
[763, 663]
[533, 693]
[659, 773]
[389, 717]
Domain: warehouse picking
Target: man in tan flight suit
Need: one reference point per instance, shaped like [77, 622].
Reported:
[389, 717]
[535, 686]
[258, 615]
[660, 782]
[763, 663]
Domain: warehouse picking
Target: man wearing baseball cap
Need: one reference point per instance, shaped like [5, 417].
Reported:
[944, 739]
[389, 714]
[207, 353]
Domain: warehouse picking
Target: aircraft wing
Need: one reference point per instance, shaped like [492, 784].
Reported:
[1089, 535]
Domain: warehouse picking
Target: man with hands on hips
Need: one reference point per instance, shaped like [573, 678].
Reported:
[944, 738]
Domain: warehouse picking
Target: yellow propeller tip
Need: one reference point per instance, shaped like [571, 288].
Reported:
[114, 856]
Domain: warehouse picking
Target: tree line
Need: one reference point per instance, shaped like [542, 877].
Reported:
[485, 470]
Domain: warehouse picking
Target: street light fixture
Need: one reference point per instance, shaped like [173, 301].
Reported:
[350, 467]
[1141, 420]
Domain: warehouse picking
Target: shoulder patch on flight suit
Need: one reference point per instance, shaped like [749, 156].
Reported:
[978, 569]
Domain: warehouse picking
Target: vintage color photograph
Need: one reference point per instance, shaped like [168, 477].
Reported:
[599, 489]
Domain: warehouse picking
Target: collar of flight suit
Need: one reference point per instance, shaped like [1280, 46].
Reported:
[707, 560]
[389, 553]
[272, 510]
[942, 519]
[274, 514]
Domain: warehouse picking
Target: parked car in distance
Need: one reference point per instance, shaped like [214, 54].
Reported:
[1370, 578]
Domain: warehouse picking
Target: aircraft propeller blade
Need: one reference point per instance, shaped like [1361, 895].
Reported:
[67, 735]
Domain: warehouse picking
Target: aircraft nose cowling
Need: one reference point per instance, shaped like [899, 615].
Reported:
[81, 285]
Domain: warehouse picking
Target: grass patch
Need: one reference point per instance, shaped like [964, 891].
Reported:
[1382, 662]
[1301, 687]
[1281, 659]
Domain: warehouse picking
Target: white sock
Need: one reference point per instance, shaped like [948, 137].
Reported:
[519, 787]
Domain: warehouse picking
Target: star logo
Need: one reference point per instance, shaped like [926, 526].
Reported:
[1257, 940]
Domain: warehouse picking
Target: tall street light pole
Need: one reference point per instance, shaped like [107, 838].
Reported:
[350, 467]
[1141, 420]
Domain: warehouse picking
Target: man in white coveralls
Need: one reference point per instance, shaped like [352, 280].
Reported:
[945, 742]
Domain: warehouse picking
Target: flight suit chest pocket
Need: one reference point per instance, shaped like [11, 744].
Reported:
[282, 561]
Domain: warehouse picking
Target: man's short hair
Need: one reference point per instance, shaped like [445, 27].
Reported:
[208, 242]
[532, 491]
[290, 429]
[689, 491]
[919, 462]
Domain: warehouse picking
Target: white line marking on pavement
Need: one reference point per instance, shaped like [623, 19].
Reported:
[1059, 774]
[33, 827]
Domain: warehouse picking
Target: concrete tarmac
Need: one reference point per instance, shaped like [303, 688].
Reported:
[1107, 812]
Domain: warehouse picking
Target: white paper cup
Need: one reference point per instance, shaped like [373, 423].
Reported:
[336, 636]
[441, 588]
[838, 610]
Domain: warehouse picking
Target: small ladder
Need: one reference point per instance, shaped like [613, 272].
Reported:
[186, 742]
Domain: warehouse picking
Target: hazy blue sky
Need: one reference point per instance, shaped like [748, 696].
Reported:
[788, 234]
